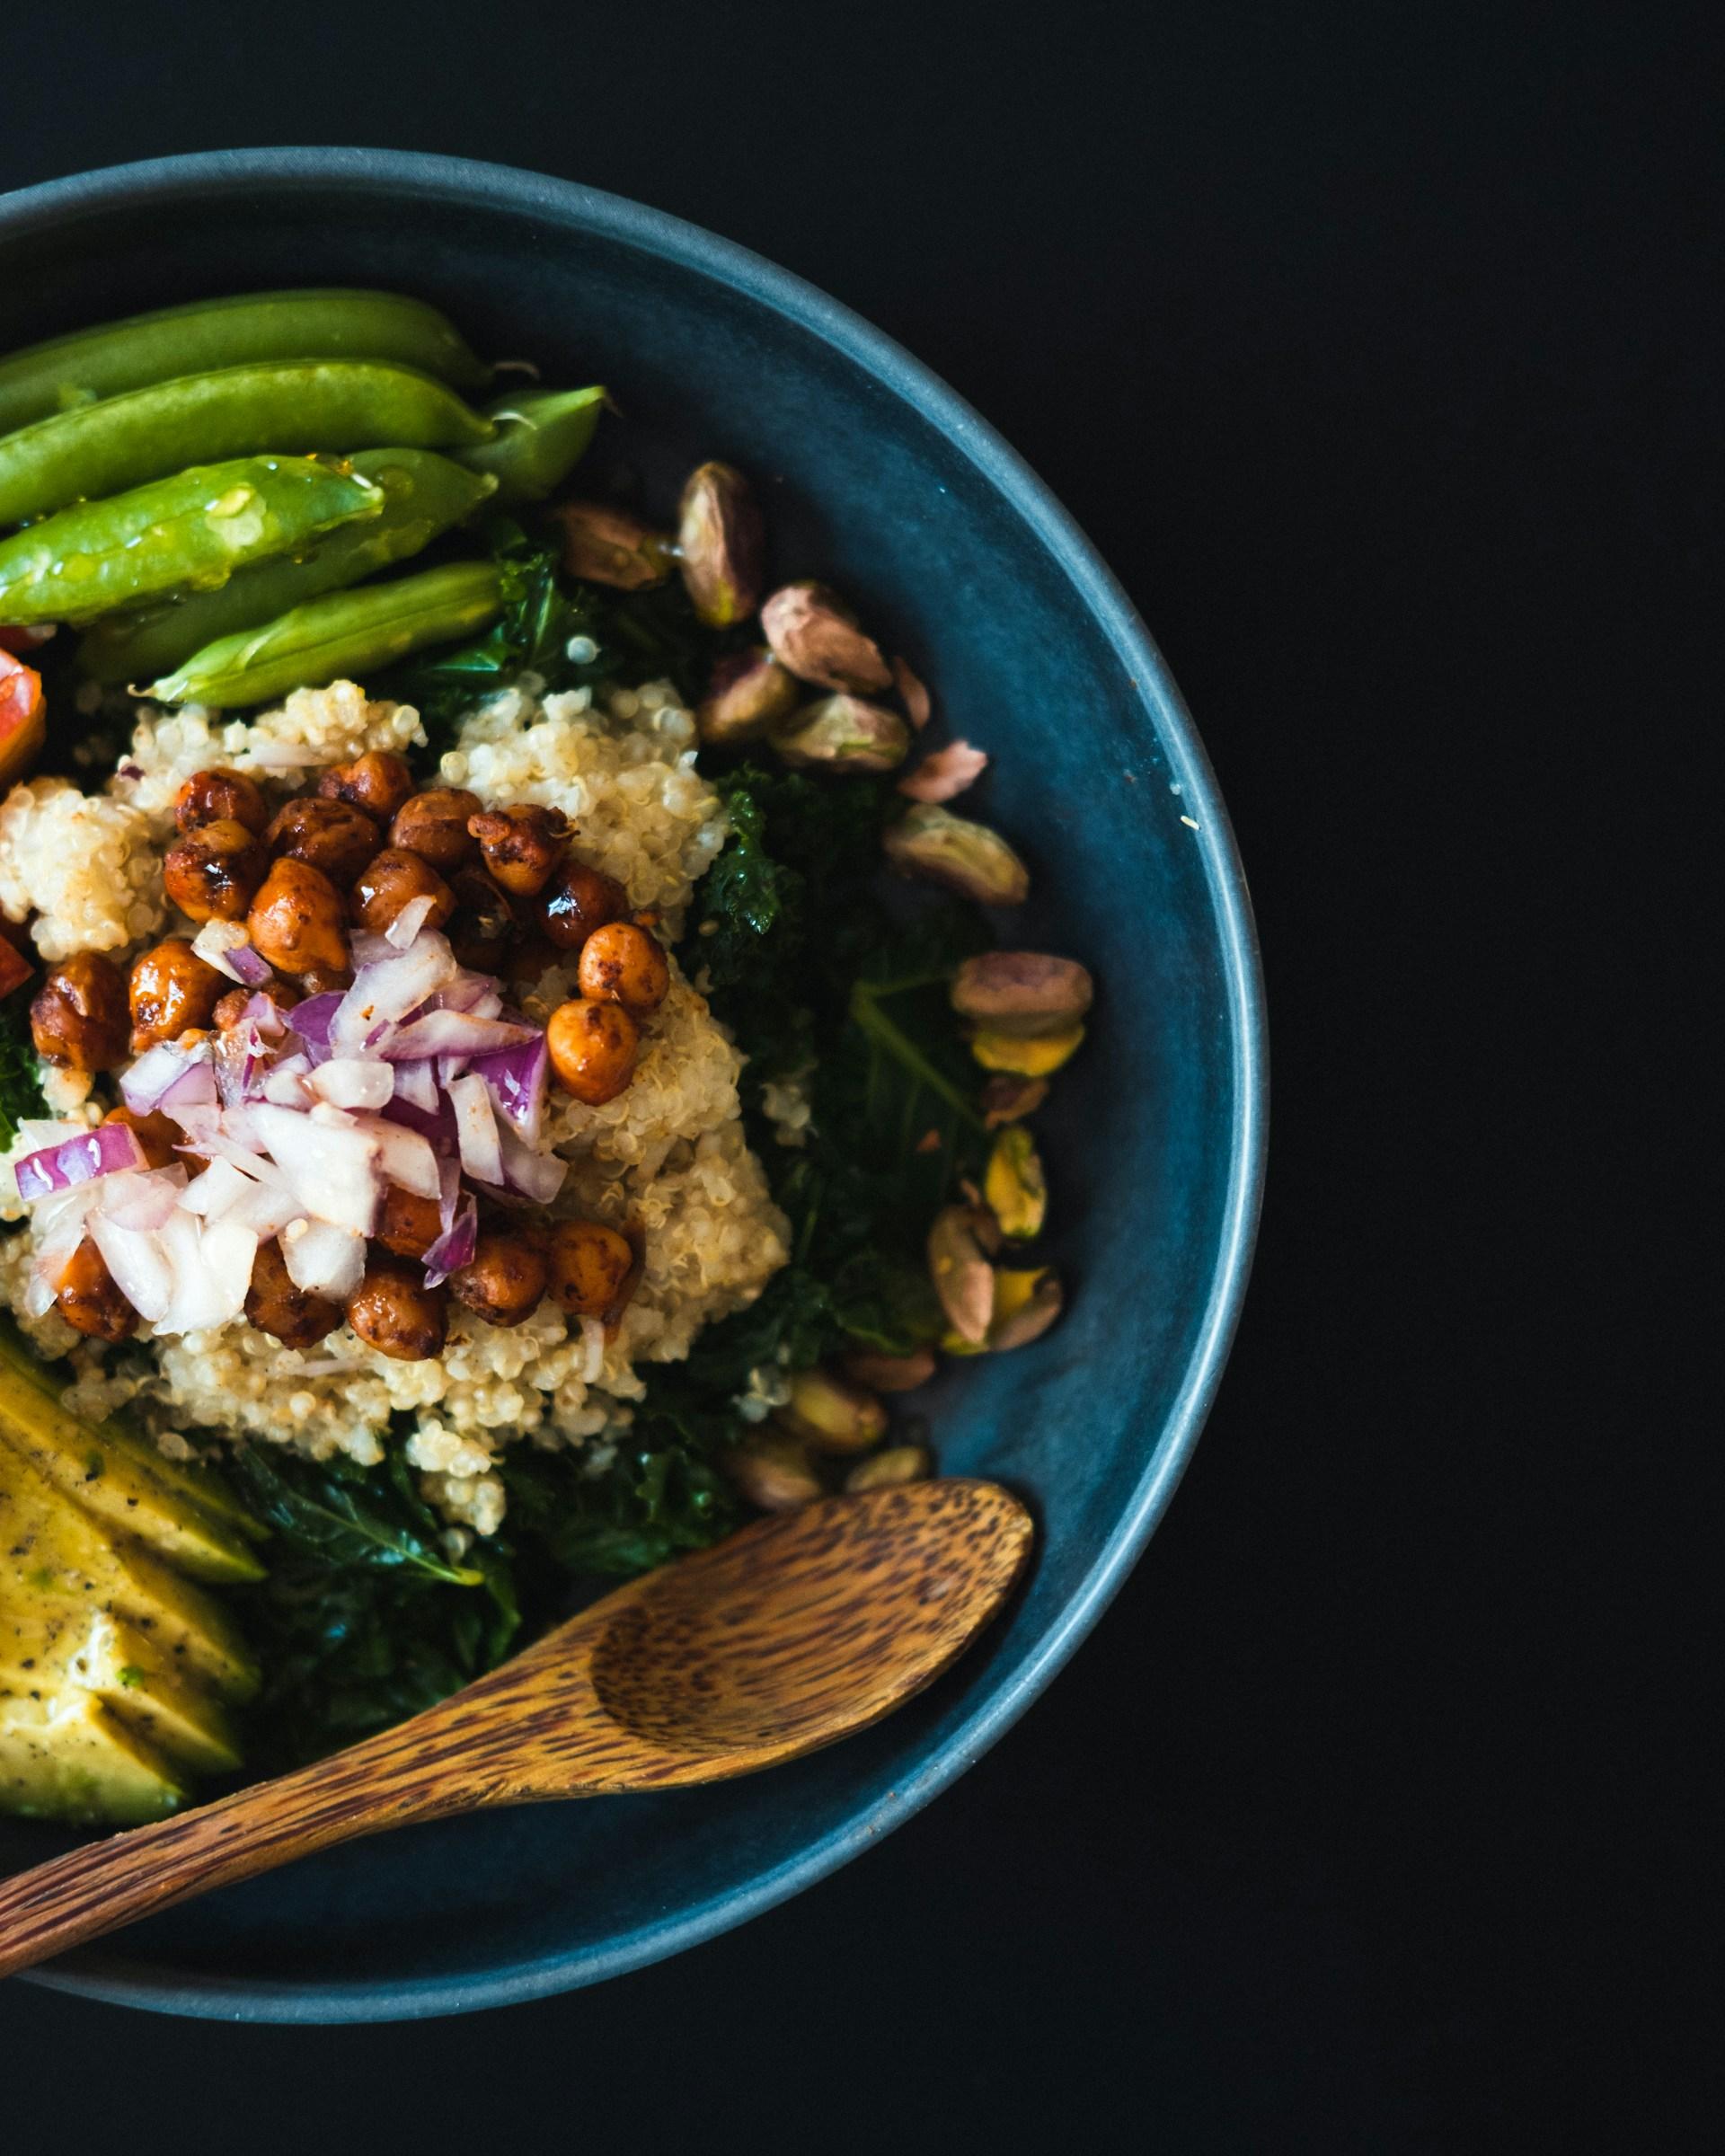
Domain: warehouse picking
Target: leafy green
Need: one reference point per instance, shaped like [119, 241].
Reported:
[20, 1085]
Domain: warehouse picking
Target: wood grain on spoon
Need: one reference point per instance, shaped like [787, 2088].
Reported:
[796, 1631]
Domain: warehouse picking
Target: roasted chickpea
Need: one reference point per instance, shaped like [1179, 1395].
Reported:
[593, 1048]
[589, 1265]
[89, 1300]
[623, 964]
[157, 1134]
[389, 880]
[219, 797]
[290, 1314]
[483, 921]
[525, 962]
[505, 1281]
[213, 872]
[173, 991]
[521, 845]
[332, 836]
[77, 1020]
[295, 922]
[577, 900]
[408, 1224]
[234, 1005]
[434, 826]
[395, 1312]
[377, 783]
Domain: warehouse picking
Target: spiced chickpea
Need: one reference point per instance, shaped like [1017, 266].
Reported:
[172, 991]
[386, 883]
[214, 872]
[395, 1312]
[623, 964]
[576, 901]
[520, 846]
[434, 826]
[590, 1264]
[407, 1223]
[593, 1049]
[296, 922]
[217, 797]
[77, 1019]
[483, 922]
[332, 836]
[505, 1281]
[89, 1300]
[292, 1315]
[378, 782]
[157, 1134]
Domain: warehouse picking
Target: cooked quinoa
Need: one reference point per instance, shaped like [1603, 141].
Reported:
[668, 1157]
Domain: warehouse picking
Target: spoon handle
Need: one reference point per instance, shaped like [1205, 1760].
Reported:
[102, 1885]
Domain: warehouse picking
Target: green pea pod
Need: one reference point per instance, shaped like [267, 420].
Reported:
[193, 530]
[147, 348]
[423, 495]
[343, 636]
[541, 435]
[289, 407]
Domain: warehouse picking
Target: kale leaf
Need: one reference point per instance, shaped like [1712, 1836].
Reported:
[21, 1084]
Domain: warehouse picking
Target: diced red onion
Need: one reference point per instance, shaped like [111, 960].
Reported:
[452, 1033]
[195, 1087]
[416, 1084]
[437, 1125]
[518, 1078]
[383, 994]
[403, 1156]
[212, 1271]
[409, 921]
[108, 1147]
[224, 945]
[311, 1020]
[141, 1268]
[288, 1086]
[322, 1259]
[142, 1201]
[476, 1130]
[474, 992]
[448, 1192]
[144, 1085]
[539, 1176]
[454, 1249]
[353, 1082]
[332, 1170]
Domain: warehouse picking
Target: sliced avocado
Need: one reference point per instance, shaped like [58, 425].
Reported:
[39, 1653]
[70, 1757]
[121, 1479]
[69, 1565]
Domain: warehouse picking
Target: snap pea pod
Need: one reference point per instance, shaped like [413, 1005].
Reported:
[290, 407]
[193, 530]
[344, 635]
[423, 495]
[542, 435]
[146, 348]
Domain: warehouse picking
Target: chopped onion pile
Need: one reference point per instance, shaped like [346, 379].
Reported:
[416, 1076]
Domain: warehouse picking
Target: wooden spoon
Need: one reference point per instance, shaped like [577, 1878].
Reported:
[796, 1631]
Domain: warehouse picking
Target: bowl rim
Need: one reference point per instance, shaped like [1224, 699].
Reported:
[57, 203]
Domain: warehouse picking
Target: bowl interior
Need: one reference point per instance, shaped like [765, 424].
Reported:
[878, 481]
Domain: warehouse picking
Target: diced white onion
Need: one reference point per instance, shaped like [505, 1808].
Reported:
[332, 1170]
[322, 1259]
[139, 1264]
[409, 921]
[403, 1156]
[353, 1082]
[476, 1129]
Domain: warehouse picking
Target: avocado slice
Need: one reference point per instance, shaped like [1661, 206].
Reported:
[40, 1652]
[121, 1479]
[71, 1564]
[67, 1756]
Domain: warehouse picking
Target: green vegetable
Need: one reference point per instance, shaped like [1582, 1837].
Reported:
[542, 435]
[194, 529]
[147, 348]
[423, 495]
[285, 408]
[21, 1083]
[345, 633]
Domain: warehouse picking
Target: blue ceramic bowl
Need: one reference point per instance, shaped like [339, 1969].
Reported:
[882, 480]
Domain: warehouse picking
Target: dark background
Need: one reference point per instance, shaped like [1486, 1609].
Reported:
[1378, 349]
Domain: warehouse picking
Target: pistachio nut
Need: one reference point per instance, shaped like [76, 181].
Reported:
[1007, 1099]
[1026, 1059]
[832, 1414]
[1022, 992]
[815, 633]
[748, 693]
[1014, 1185]
[605, 545]
[721, 541]
[773, 1470]
[1027, 1301]
[891, 1372]
[963, 1278]
[885, 1470]
[970, 859]
[842, 733]
[912, 694]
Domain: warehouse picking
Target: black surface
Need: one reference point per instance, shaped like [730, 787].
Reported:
[1378, 350]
